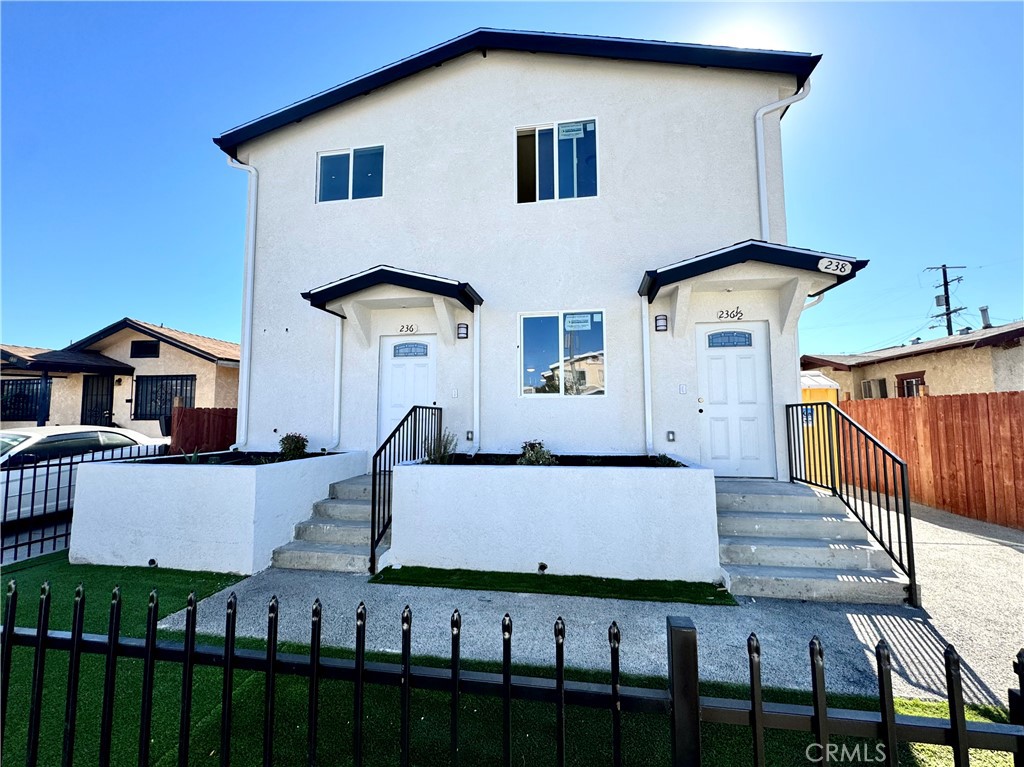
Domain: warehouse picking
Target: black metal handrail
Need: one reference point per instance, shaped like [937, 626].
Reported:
[410, 441]
[828, 449]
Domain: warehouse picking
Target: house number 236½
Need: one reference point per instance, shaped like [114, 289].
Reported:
[731, 314]
[410, 328]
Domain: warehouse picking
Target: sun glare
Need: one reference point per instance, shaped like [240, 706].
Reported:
[747, 33]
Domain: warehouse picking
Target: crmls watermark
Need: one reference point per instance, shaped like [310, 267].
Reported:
[861, 753]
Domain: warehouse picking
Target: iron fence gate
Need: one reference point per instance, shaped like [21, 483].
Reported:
[97, 400]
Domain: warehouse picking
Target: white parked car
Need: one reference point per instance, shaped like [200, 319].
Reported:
[38, 464]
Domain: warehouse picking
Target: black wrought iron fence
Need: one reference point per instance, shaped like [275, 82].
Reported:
[681, 701]
[39, 500]
[411, 440]
[830, 450]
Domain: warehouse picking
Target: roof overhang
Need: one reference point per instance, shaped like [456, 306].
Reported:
[129, 324]
[324, 295]
[63, 361]
[799, 65]
[828, 264]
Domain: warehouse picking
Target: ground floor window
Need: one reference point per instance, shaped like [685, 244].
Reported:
[562, 354]
[20, 399]
[910, 384]
[154, 395]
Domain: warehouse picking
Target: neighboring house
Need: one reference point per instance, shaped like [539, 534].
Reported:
[986, 360]
[530, 192]
[127, 374]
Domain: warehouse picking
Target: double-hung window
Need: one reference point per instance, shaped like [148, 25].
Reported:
[350, 174]
[562, 354]
[556, 161]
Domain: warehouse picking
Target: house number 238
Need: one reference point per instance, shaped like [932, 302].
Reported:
[731, 314]
[410, 328]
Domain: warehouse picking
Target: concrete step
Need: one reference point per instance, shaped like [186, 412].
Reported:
[778, 524]
[357, 510]
[802, 552]
[307, 555]
[354, 488]
[796, 503]
[328, 530]
[818, 584]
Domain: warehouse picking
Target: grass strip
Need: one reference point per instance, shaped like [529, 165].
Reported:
[564, 585]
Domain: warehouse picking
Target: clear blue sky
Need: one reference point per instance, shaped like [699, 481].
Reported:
[908, 152]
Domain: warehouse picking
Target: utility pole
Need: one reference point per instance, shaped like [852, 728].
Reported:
[948, 313]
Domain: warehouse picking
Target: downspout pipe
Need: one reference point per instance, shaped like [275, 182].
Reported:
[336, 434]
[248, 284]
[762, 170]
[476, 380]
[645, 338]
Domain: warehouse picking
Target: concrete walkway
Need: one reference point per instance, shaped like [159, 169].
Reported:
[972, 577]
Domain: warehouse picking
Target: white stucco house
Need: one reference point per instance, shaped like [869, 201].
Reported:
[573, 239]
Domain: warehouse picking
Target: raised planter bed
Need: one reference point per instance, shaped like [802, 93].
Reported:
[222, 517]
[628, 522]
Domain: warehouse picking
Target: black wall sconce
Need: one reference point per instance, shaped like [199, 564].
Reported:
[660, 323]
[462, 330]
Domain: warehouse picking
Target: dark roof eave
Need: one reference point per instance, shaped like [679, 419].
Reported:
[462, 292]
[752, 250]
[129, 324]
[800, 65]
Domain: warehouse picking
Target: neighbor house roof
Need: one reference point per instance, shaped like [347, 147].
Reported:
[800, 65]
[59, 361]
[750, 250]
[976, 339]
[389, 275]
[210, 349]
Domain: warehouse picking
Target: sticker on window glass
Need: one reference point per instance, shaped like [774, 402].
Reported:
[597, 318]
[570, 130]
[590, 126]
[577, 322]
[410, 350]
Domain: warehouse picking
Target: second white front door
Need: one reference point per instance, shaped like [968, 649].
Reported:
[408, 376]
[735, 399]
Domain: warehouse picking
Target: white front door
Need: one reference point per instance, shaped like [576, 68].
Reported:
[408, 376]
[735, 399]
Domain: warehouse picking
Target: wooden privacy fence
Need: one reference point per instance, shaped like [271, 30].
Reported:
[963, 451]
[205, 429]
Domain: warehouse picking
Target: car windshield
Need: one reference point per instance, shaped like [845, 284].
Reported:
[8, 440]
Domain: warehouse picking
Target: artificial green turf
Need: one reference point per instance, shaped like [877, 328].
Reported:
[566, 585]
[645, 736]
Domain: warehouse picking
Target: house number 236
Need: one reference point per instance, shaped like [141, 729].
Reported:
[731, 314]
[410, 328]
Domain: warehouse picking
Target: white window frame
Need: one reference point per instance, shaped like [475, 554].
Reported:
[351, 152]
[536, 161]
[520, 365]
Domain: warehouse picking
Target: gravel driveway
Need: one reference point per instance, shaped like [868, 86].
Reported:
[972, 577]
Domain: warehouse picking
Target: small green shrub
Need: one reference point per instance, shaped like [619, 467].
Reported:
[293, 445]
[663, 460]
[440, 450]
[535, 454]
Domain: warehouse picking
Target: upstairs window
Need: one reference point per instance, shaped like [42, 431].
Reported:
[557, 160]
[145, 349]
[351, 174]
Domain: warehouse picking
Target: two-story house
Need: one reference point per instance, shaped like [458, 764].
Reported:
[457, 226]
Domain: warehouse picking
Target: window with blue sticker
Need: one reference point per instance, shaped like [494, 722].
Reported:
[562, 354]
[410, 350]
[556, 161]
[351, 174]
[726, 338]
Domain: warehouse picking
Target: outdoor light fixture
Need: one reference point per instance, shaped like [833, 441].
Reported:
[462, 330]
[661, 323]
[670, 436]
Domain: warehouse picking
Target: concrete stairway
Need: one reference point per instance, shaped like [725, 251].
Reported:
[337, 536]
[786, 541]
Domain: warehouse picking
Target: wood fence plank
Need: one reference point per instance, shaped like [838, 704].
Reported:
[1015, 408]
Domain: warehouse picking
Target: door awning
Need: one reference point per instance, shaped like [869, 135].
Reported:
[462, 292]
[842, 268]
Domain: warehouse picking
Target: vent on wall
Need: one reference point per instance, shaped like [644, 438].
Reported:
[873, 388]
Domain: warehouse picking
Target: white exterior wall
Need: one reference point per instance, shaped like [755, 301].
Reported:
[676, 178]
[197, 517]
[664, 520]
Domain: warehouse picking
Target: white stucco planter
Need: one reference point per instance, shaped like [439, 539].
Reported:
[613, 522]
[198, 517]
